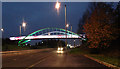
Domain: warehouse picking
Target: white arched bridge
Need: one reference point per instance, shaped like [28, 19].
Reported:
[48, 33]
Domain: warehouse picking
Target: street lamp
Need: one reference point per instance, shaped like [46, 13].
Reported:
[2, 29]
[57, 6]
[67, 25]
[23, 25]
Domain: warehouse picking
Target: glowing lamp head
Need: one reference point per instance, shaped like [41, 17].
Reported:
[24, 24]
[67, 25]
[57, 5]
[2, 29]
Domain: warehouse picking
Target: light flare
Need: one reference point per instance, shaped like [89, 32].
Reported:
[24, 24]
[57, 6]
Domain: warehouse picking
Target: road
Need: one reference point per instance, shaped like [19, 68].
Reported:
[41, 58]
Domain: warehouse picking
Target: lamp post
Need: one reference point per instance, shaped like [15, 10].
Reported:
[20, 30]
[71, 35]
[66, 25]
[23, 25]
[74, 43]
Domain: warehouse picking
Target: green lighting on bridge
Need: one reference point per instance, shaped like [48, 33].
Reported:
[68, 33]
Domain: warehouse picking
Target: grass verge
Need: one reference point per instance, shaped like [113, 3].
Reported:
[111, 60]
[114, 60]
[14, 47]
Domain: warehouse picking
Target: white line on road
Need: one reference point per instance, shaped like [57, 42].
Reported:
[14, 59]
[43, 59]
[35, 64]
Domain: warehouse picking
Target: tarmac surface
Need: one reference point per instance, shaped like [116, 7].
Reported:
[47, 58]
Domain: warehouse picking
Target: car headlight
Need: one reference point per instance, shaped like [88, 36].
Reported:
[61, 49]
[58, 49]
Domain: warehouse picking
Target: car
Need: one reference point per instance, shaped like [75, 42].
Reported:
[72, 46]
[60, 50]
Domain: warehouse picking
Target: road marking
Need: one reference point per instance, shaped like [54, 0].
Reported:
[43, 59]
[14, 59]
[7, 52]
[35, 64]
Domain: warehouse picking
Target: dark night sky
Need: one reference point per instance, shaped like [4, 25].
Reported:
[39, 15]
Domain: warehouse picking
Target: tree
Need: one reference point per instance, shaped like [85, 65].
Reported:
[98, 26]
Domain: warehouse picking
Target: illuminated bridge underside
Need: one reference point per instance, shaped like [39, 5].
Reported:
[48, 33]
[46, 37]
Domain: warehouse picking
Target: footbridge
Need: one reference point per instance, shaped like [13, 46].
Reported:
[49, 33]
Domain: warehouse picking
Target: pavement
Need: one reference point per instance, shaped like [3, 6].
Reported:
[47, 58]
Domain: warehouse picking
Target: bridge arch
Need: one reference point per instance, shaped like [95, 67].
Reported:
[46, 31]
